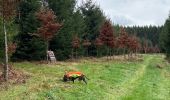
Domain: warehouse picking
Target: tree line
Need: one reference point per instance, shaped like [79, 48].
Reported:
[83, 32]
[32, 27]
[164, 38]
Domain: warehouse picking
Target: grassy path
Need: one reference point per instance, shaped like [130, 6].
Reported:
[129, 85]
[113, 80]
[154, 84]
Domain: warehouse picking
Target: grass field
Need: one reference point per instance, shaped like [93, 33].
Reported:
[109, 80]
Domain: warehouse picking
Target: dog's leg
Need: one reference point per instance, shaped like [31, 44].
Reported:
[86, 77]
[84, 80]
[65, 78]
[73, 79]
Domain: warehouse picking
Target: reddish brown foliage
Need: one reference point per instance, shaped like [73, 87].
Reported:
[76, 42]
[8, 8]
[12, 48]
[133, 43]
[123, 39]
[154, 49]
[86, 43]
[112, 43]
[98, 42]
[49, 26]
[16, 77]
[106, 34]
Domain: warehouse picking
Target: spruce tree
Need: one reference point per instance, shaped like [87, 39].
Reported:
[94, 18]
[72, 21]
[29, 47]
[165, 38]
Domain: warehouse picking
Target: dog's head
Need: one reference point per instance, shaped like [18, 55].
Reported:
[65, 78]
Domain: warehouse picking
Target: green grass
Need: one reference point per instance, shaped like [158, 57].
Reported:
[113, 80]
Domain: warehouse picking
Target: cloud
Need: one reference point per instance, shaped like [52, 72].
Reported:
[136, 12]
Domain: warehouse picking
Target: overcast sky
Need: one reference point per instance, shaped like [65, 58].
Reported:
[135, 12]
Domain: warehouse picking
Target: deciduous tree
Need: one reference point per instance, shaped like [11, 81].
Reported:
[86, 43]
[106, 34]
[98, 43]
[75, 44]
[7, 11]
[49, 26]
[123, 40]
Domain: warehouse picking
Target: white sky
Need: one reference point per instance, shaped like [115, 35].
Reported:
[135, 12]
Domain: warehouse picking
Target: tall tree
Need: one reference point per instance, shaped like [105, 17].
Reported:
[165, 38]
[49, 26]
[28, 45]
[73, 22]
[133, 44]
[123, 40]
[106, 34]
[7, 9]
[94, 18]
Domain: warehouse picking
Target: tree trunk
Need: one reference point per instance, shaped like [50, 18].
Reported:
[97, 52]
[128, 53]
[117, 51]
[76, 53]
[136, 52]
[87, 51]
[6, 52]
[124, 53]
[108, 51]
[111, 54]
[72, 54]
[47, 50]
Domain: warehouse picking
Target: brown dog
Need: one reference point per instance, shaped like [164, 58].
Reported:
[71, 76]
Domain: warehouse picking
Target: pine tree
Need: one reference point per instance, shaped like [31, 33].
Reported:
[73, 22]
[29, 47]
[165, 38]
[94, 18]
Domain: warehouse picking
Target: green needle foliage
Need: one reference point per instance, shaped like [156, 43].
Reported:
[29, 46]
[165, 38]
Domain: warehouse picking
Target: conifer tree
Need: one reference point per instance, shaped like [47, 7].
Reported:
[28, 45]
[94, 19]
[72, 21]
[165, 38]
